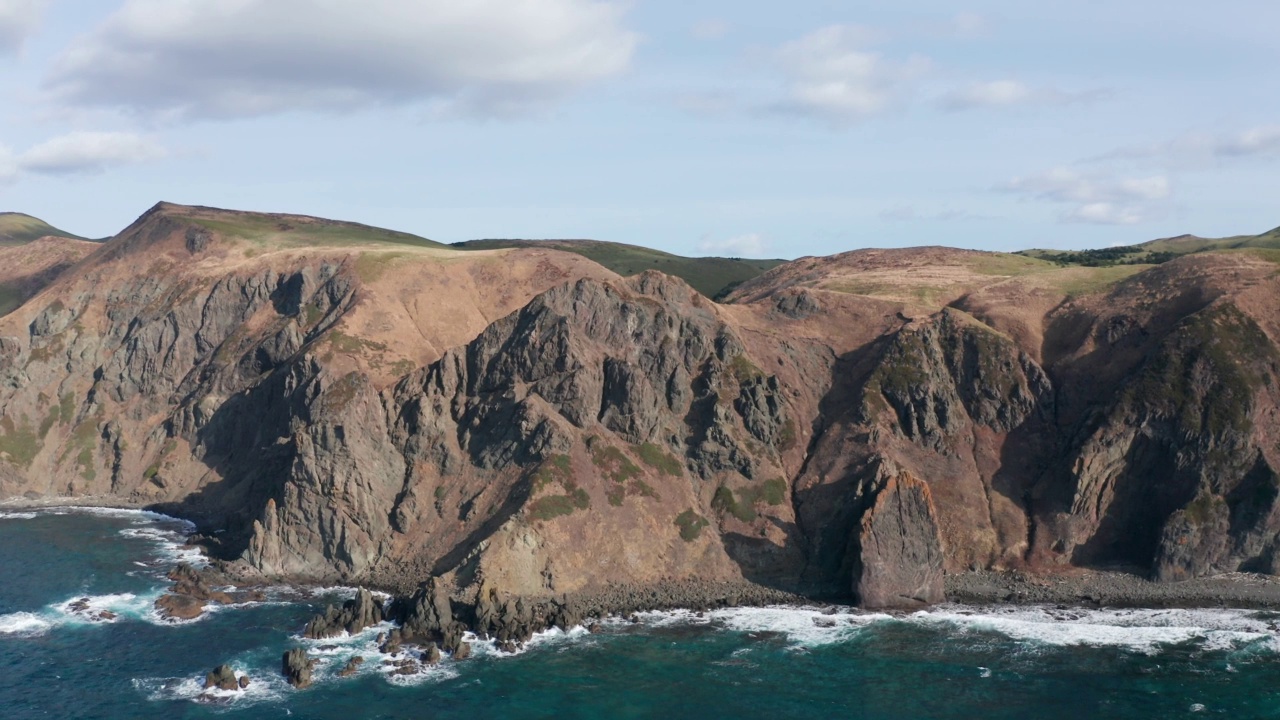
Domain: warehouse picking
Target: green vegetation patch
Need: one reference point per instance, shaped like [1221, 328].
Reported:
[371, 266]
[555, 469]
[612, 462]
[297, 231]
[11, 298]
[725, 502]
[352, 345]
[742, 504]
[659, 459]
[743, 370]
[19, 229]
[66, 408]
[19, 442]
[690, 524]
[554, 506]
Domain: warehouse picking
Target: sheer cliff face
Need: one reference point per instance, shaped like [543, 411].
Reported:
[527, 420]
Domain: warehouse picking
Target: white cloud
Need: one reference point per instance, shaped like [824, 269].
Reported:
[1097, 199]
[1254, 141]
[242, 58]
[832, 76]
[1009, 93]
[749, 245]
[18, 19]
[998, 93]
[1195, 149]
[79, 153]
[1104, 213]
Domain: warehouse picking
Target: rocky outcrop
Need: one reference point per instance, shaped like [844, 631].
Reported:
[355, 615]
[898, 560]
[223, 678]
[296, 668]
[191, 593]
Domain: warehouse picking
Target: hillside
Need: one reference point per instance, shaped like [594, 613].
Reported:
[333, 403]
[17, 228]
[711, 276]
[1157, 251]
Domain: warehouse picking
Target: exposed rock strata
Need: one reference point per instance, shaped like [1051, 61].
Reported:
[585, 431]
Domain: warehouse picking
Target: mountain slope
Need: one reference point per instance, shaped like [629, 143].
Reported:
[711, 276]
[1156, 251]
[17, 229]
[525, 421]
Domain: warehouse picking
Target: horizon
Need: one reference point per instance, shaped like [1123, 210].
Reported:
[737, 130]
[111, 236]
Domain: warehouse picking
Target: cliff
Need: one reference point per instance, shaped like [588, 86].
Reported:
[337, 403]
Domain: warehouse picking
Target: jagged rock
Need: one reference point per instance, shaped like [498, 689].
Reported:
[354, 616]
[352, 667]
[190, 594]
[432, 654]
[463, 651]
[223, 678]
[899, 562]
[296, 667]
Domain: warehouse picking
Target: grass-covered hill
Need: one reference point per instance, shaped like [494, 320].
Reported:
[1158, 251]
[18, 229]
[711, 276]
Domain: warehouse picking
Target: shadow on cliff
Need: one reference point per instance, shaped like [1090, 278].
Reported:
[248, 445]
[827, 510]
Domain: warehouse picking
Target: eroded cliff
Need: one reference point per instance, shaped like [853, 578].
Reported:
[332, 403]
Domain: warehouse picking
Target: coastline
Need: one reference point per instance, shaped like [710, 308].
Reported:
[1074, 587]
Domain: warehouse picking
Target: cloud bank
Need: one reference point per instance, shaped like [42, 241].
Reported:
[189, 59]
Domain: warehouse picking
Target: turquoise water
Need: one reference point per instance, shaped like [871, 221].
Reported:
[953, 662]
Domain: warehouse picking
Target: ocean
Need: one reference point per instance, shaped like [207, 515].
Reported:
[113, 657]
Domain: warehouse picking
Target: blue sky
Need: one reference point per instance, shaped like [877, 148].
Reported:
[700, 127]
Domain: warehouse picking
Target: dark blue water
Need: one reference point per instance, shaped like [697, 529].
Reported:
[953, 662]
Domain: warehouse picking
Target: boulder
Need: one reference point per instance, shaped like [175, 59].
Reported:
[297, 667]
[222, 678]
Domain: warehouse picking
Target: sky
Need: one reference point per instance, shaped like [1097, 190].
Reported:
[726, 127]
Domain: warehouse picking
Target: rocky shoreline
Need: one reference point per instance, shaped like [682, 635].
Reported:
[1113, 588]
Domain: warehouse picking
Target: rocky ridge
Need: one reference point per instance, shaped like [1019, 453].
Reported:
[585, 432]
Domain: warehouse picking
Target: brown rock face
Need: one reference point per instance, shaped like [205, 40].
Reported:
[899, 561]
[506, 424]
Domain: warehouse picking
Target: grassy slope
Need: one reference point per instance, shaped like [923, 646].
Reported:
[711, 276]
[1164, 249]
[298, 231]
[17, 229]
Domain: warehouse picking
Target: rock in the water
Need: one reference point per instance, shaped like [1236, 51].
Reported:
[191, 593]
[244, 681]
[297, 667]
[355, 615]
[179, 607]
[463, 652]
[352, 666]
[432, 654]
[222, 678]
